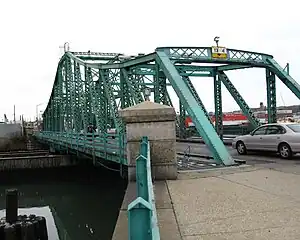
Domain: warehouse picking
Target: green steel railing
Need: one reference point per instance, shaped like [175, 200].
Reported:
[107, 146]
[142, 218]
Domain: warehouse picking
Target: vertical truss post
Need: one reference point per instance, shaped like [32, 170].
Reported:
[160, 86]
[61, 98]
[182, 117]
[77, 100]
[46, 126]
[109, 92]
[87, 96]
[44, 122]
[52, 115]
[131, 88]
[124, 88]
[218, 106]
[66, 98]
[271, 96]
[69, 97]
[56, 108]
[103, 104]
[140, 84]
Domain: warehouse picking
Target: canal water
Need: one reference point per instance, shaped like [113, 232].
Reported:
[79, 203]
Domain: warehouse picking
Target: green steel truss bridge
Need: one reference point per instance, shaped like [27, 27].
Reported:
[90, 87]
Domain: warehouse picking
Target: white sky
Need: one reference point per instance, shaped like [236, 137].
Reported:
[32, 31]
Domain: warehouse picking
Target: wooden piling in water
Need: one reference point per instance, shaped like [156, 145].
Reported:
[14, 227]
[11, 205]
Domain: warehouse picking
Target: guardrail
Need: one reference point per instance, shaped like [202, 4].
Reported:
[142, 218]
[108, 146]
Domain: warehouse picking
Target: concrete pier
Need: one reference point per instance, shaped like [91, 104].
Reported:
[156, 121]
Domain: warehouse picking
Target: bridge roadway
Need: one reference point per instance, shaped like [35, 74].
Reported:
[259, 200]
[200, 156]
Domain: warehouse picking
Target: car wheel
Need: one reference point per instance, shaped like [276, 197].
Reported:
[241, 148]
[285, 151]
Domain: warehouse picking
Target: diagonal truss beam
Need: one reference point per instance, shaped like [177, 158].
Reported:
[202, 124]
[285, 77]
[133, 87]
[239, 99]
[196, 96]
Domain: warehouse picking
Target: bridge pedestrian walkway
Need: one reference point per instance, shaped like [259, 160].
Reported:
[237, 203]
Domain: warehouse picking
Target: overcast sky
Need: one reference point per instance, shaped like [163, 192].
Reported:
[32, 31]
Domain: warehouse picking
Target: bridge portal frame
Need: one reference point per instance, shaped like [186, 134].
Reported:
[90, 88]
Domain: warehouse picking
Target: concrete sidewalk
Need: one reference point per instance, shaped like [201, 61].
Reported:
[258, 204]
[237, 203]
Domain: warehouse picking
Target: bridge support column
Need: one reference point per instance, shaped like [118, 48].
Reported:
[156, 121]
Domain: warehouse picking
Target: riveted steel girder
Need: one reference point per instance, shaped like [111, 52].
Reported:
[90, 88]
[271, 96]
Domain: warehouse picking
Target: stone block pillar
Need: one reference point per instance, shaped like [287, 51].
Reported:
[158, 123]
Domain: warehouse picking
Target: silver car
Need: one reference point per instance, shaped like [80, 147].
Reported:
[283, 138]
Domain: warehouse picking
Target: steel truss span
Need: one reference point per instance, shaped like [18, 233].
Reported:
[89, 89]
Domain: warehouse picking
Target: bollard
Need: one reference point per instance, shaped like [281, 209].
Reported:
[43, 233]
[18, 228]
[28, 231]
[2, 231]
[11, 205]
[9, 232]
[14, 227]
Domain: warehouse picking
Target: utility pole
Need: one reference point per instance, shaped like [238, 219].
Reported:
[14, 113]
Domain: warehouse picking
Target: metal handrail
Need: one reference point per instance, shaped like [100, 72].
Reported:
[142, 217]
[92, 144]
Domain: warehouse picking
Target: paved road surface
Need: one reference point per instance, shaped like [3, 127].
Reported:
[198, 149]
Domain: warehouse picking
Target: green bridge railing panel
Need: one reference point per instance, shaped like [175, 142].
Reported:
[108, 146]
[142, 218]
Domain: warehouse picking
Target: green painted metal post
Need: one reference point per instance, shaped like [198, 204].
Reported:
[141, 177]
[160, 86]
[218, 106]
[182, 117]
[123, 92]
[139, 220]
[271, 96]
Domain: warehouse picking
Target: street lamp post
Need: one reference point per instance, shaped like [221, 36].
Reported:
[37, 112]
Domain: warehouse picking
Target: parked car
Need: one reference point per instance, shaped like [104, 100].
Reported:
[283, 138]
